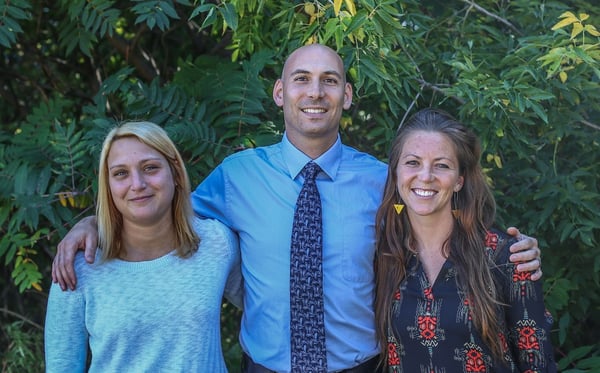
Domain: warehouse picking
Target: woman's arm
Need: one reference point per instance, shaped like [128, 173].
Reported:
[527, 320]
[65, 335]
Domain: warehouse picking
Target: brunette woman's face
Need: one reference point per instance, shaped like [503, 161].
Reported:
[428, 173]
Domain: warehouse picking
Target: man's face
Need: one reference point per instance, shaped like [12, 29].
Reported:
[313, 93]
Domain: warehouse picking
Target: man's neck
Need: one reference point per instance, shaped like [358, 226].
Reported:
[313, 147]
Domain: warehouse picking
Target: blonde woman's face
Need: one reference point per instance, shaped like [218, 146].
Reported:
[141, 183]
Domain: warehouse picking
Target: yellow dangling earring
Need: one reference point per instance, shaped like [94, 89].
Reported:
[399, 207]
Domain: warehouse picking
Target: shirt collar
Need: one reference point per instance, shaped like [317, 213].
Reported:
[295, 160]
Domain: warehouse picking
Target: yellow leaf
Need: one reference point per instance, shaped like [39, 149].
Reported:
[563, 76]
[61, 198]
[489, 157]
[71, 199]
[498, 161]
[36, 286]
[345, 122]
[351, 7]
[577, 28]
[567, 15]
[583, 16]
[592, 30]
[310, 9]
[81, 200]
[564, 22]
[337, 5]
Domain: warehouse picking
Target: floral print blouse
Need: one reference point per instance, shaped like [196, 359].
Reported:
[431, 329]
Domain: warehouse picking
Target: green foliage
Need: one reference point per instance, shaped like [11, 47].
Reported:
[23, 352]
[524, 74]
[11, 14]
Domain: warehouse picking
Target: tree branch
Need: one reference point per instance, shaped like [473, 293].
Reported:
[21, 317]
[435, 88]
[590, 124]
[127, 50]
[472, 4]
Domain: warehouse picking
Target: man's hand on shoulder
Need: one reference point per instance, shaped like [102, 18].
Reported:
[83, 236]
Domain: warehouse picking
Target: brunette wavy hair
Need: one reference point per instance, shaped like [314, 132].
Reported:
[110, 220]
[464, 247]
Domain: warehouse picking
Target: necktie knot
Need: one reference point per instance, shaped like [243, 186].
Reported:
[311, 170]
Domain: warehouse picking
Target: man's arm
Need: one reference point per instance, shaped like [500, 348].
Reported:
[83, 236]
[527, 253]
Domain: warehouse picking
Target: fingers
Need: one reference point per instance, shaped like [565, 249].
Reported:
[534, 266]
[62, 267]
[537, 274]
[525, 243]
[82, 236]
[513, 231]
[529, 266]
[528, 259]
[90, 249]
[526, 253]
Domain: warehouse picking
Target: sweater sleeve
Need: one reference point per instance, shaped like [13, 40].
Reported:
[65, 334]
[527, 320]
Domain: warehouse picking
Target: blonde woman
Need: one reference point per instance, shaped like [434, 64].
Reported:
[151, 301]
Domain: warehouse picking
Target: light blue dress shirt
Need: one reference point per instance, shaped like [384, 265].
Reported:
[254, 192]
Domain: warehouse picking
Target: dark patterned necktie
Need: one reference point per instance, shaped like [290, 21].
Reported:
[307, 312]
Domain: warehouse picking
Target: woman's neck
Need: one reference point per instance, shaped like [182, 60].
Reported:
[431, 234]
[141, 243]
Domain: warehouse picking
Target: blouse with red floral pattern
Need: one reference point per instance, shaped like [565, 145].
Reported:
[431, 329]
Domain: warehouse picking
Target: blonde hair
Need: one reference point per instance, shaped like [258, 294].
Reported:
[110, 220]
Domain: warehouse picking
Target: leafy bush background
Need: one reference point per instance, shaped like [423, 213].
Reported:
[524, 74]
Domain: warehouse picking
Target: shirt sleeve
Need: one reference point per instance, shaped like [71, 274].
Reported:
[527, 320]
[65, 334]
[209, 198]
[234, 287]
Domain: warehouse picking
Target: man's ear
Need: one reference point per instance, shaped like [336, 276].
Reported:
[278, 93]
[347, 96]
